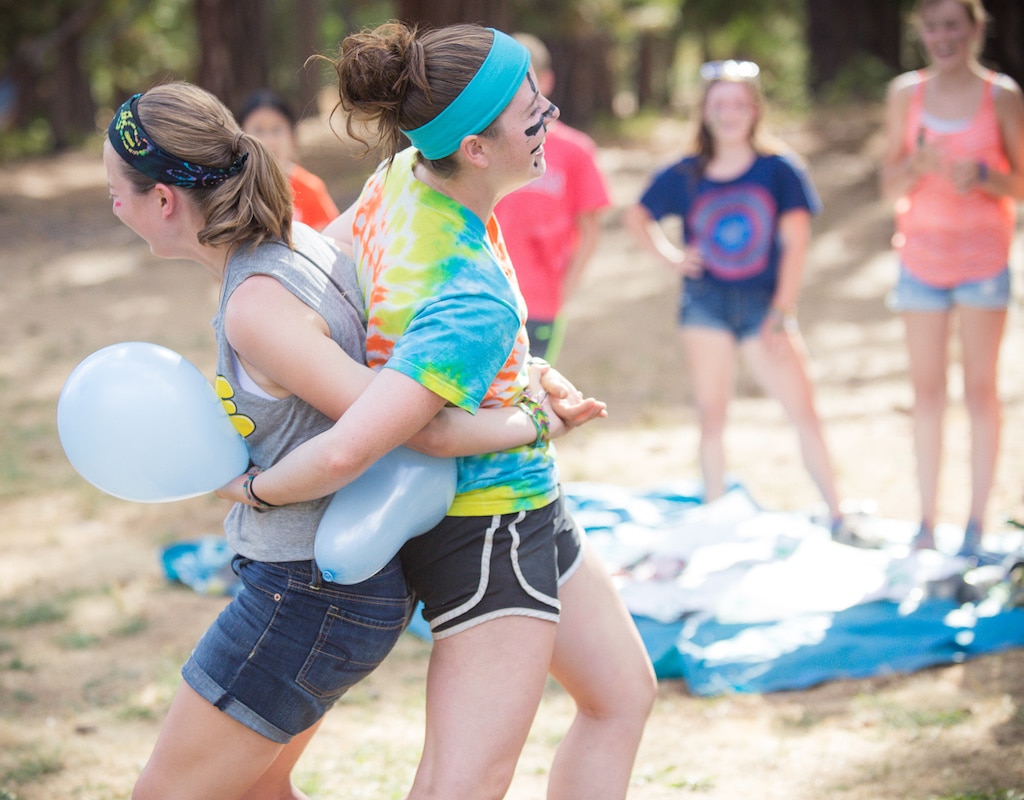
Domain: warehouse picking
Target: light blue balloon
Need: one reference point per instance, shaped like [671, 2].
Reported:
[402, 495]
[142, 423]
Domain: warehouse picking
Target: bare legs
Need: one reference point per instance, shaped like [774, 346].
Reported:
[927, 335]
[203, 754]
[711, 356]
[484, 685]
[483, 688]
[782, 374]
[601, 661]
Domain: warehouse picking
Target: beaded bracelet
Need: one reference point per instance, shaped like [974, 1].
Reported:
[250, 495]
[538, 416]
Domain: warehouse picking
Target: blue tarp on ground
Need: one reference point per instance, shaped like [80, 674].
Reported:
[775, 604]
[731, 597]
[866, 640]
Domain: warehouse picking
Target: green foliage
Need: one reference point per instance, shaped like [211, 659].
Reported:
[136, 43]
[862, 79]
[724, 13]
[129, 45]
[121, 45]
[770, 34]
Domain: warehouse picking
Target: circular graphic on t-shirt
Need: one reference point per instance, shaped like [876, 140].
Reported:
[734, 228]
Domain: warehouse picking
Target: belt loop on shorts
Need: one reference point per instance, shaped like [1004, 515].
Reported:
[317, 582]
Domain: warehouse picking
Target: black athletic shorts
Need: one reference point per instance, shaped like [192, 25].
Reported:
[468, 570]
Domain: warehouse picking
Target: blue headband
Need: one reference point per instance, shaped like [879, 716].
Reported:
[130, 140]
[479, 104]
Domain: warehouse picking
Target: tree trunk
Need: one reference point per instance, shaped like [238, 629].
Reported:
[234, 44]
[583, 82]
[492, 13]
[1004, 46]
[63, 96]
[308, 14]
[839, 32]
[74, 112]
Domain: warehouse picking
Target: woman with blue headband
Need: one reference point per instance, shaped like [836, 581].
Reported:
[291, 338]
[511, 590]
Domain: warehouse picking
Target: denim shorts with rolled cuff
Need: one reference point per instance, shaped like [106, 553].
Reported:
[912, 294]
[290, 644]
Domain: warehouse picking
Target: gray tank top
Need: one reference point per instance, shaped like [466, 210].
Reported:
[324, 279]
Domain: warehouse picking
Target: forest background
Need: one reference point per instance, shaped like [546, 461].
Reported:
[64, 64]
[92, 635]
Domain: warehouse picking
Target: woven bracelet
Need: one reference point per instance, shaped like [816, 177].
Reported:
[538, 416]
[250, 495]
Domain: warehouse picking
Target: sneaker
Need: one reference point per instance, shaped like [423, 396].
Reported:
[971, 544]
[844, 532]
[924, 539]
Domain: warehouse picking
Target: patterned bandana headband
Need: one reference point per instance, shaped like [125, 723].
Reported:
[479, 104]
[130, 140]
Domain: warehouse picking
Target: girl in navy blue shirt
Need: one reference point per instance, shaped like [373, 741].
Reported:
[745, 207]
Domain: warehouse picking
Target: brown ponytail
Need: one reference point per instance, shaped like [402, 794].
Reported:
[246, 209]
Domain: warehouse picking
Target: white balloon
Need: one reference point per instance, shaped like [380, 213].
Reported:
[402, 495]
[142, 423]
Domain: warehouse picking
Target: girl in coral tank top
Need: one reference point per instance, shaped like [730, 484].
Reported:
[954, 164]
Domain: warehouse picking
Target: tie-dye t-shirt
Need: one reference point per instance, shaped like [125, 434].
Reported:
[443, 308]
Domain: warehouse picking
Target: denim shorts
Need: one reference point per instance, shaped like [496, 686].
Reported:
[468, 570]
[736, 309]
[290, 644]
[913, 294]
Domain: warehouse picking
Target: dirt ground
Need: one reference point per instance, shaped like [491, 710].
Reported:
[92, 636]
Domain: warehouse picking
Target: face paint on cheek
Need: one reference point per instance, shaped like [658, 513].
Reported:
[533, 130]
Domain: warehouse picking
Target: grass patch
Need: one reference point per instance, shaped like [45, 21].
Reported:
[38, 614]
[77, 640]
[31, 768]
[897, 717]
[136, 713]
[27, 454]
[23, 696]
[131, 627]
[667, 777]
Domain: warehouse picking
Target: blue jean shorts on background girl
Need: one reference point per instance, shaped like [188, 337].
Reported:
[913, 294]
[737, 309]
[290, 644]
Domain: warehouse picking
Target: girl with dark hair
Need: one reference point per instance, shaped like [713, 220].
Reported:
[267, 116]
[290, 338]
[510, 587]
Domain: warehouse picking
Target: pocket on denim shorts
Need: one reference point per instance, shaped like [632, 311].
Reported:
[349, 647]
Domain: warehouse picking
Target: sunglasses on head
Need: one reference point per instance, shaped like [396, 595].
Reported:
[729, 71]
